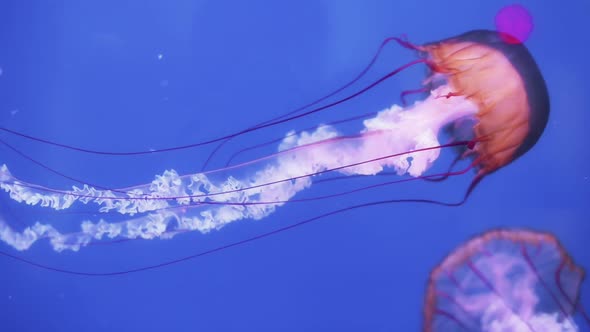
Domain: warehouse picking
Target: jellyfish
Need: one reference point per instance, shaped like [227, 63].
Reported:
[486, 93]
[505, 280]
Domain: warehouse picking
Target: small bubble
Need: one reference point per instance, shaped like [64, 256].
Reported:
[160, 56]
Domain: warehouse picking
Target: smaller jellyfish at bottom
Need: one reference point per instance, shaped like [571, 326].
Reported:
[506, 280]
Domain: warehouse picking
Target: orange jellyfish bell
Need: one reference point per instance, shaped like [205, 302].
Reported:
[504, 81]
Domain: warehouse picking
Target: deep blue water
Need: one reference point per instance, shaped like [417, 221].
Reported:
[139, 75]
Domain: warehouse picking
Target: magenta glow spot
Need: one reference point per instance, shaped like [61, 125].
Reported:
[514, 23]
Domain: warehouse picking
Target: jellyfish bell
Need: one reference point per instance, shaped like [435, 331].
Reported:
[505, 83]
[505, 280]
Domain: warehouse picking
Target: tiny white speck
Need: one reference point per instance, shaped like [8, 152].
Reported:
[152, 149]
[1, 71]
[14, 111]
[160, 56]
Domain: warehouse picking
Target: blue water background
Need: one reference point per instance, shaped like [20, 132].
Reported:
[139, 75]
